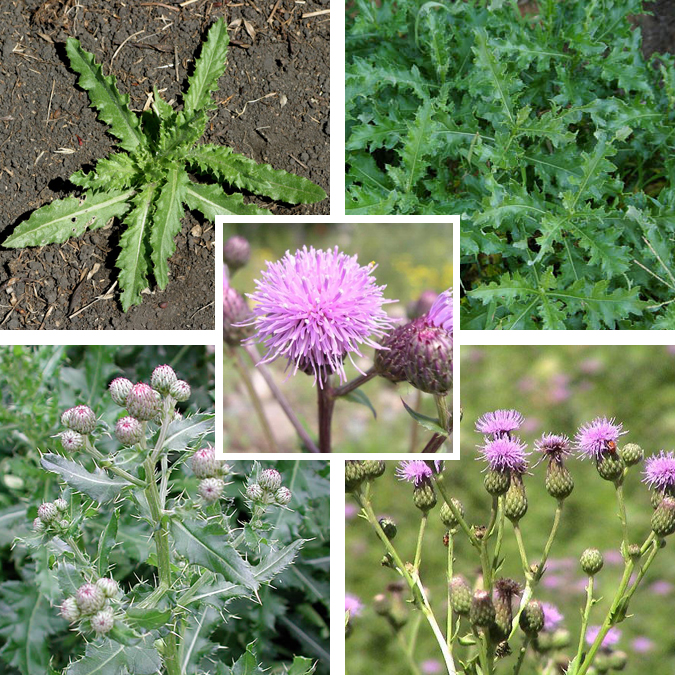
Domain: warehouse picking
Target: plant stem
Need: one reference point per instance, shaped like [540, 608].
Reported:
[326, 406]
[521, 550]
[449, 628]
[255, 399]
[549, 542]
[444, 413]
[521, 655]
[435, 443]
[355, 383]
[438, 480]
[253, 354]
[482, 652]
[485, 561]
[584, 619]
[414, 426]
[420, 538]
[104, 462]
[623, 519]
[79, 556]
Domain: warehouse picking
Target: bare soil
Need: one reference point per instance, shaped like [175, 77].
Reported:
[48, 131]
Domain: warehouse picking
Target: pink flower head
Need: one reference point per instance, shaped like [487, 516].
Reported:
[642, 644]
[499, 422]
[440, 314]
[659, 471]
[505, 454]
[553, 446]
[594, 438]
[415, 471]
[353, 605]
[315, 307]
[612, 637]
[552, 617]
[431, 667]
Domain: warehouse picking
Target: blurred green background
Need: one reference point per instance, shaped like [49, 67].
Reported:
[411, 259]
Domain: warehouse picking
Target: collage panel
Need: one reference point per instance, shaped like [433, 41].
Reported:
[338, 337]
[127, 127]
[562, 120]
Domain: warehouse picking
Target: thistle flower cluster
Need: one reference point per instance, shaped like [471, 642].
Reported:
[92, 606]
[211, 472]
[267, 490]
[52, 517]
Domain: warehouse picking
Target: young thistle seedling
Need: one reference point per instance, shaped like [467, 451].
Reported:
[148, 185]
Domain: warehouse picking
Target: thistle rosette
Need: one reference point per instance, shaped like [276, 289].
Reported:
[315, 307]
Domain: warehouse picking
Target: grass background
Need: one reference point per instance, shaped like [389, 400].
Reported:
[410, 259]
[557, 389]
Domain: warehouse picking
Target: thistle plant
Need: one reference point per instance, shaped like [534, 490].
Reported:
[154, 478]
[496, 621]
[148, 185]
[317, 310]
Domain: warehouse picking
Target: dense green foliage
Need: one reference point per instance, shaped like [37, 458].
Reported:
[549, 132]
[148, 186]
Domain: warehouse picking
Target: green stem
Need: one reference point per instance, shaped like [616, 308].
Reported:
[500, 534]
[521, 550]
[485, 561]
[549, 542]
[623, 519]
[482, 652]
[438, 480]
[79, 556]
[167, 416]
[584, 619]
[255, 399]
[449, 626]
[521, 655]
[444, 413]
[105, 463]
[414, 424]
[408, 655]
[420, 538]
[354, 384]
[643, 570]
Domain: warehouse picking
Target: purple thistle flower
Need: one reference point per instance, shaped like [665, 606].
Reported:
[659, 471]
[505, 454]
[553, 446]
[661, 587]
[440, 314]
[552, 617]
[431, 667]
[642, 644]
[499, 422]
[594, 438]
[612, 637]
[315, 307]
[414, 471]
[353, 605]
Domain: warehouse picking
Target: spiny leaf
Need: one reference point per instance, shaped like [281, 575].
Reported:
[211, 201]
[166, 222]
[261, 179]
[132, 261]
[275, 561]
[65, 218]
[112, 658]
[105, 544]
[116, 172]
[95, 485]
[207, 546]
[208, 68]
[183, 432]
[112, 106]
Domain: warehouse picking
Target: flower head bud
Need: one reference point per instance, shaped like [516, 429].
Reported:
[422, 305]
[69, 610]
[38, 525]
[559, 481]
[610, 467]
[497, 482]
[109, 587]
[236, 252]
[618, 660]
[90, 598]
[143, 402]
[61, 504]
[47, 512]
[64, 524]
[390, 360]
[72, 441]
[448, 517]
[211, 489]
[591, 561]
[515, 500]
[634, 551]
[428, 365]
[129, 431]
[282, 496]
[532, 618]
[180, 390]
[254, 492]
[460, 595]
[119, 390]
[388, 527]
[354, 474]
[81, 418]
[631, 454]
[482, 611]
[102, 622]
[424, 496]
[373, 468]
[204, 462]
[236, 314]
[663, 518]
[269, 480]
[505, 590]
[162, 378]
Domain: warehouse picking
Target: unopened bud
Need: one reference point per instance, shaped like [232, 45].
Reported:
[663, 518]
[460, 595]
[631, 454]
[47, 512]
[180, 390]
[102, 622]
[482, 611]
[424, 496]
[72, 441]
[373, 468]
[129, 431]
[236, 252]
[354, 474]
[254, 492]
[162, 378]
[211, 489]
[591, 561]
[109, 587]
[497, 482]
[559, 481]
[61, 504]
[388, 527]
[81, 418]
[610, 467]
[204, 462]
[143, 402]
[428, 365]
[69, 610]
[532, 618]
[119, 390]
[282, 496]
[515, 500]
[448, 517]
[270, 480]
[90, 598]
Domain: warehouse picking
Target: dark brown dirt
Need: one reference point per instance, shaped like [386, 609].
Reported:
[47, 132]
